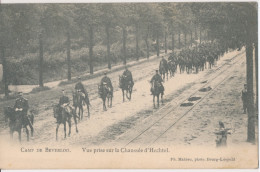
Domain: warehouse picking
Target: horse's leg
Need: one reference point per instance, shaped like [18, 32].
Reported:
[31, 127]
[75, 121]
[104, 104]
[81, 111]
[27, 133]
[158, 100]
[65, 134]
[123, 92]
[162, 98]
[88, 111]
[153, 101]
[69, 122]
[57, 129]
[111, 99]
[20, 135]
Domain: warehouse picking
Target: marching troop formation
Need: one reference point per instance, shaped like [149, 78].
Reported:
[193, 59]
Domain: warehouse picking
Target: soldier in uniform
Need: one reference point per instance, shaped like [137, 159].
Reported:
[64, 100]
[164, 63]
[156, 78]
[79, 87]
[21, 106]
[244, 98]
[128, 76]
[106, 80]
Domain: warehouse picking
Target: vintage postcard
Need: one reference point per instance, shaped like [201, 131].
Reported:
[169, 85]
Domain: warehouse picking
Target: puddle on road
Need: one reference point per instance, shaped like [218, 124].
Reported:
[205, 89]
[194, 98]
[186, 104]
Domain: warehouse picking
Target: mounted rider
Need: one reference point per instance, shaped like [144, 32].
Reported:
[21, 106]
[64, 104]
[127, 74]
[157, 78]
[79, 87]
[163, 63]
[106, 82]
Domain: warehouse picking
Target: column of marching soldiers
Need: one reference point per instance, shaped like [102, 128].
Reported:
[189, 60]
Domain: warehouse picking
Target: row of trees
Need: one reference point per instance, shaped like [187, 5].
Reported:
[22, 25]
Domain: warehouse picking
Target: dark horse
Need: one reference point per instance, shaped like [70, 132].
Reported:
[105, 93]
[163, 69]
[126, 86]
[157, 90]
[78, 101]
[172, 68]
[63, 115]
[17, 122]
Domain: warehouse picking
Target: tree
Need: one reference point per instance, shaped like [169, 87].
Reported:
[108, 18]
[88, 18]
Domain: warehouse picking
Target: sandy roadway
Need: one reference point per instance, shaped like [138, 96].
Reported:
[136, 122]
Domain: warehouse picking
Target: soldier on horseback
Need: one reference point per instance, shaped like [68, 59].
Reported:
[105, 81]
[164, 63]
[64, 104]
[157, 78]
[128, 76]
[79, 87]
[21, 106]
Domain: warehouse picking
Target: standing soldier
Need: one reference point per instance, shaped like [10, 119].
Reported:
[21, 106]
[156, 78]
[244, 98]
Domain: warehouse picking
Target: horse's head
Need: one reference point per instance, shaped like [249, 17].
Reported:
[9, 113]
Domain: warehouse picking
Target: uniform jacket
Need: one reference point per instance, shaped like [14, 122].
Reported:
[21, 103]
[63, 100]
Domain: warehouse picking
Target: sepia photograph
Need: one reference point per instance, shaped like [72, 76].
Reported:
[150, 85]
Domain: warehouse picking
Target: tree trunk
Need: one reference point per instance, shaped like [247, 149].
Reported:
[250, 94]
[108, 47]
[91, 68]
[165, 41]
[68, 56]
[185, 39]
[179, 39]
[172, 42]
[40, 61]
[200, 35]
[196, 34]
[124, 45]
[147, 43]
[5, 73]
[256, 74]
[137, 42]
[157, 43]
[191, 38]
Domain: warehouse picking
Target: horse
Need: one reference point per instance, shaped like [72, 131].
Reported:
[157, 90]
[126, 86]
[78, 101]
[163, 69]
[63, 115]
[105, 93]
[17, 122]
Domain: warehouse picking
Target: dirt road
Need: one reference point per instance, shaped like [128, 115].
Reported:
[136, 122]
